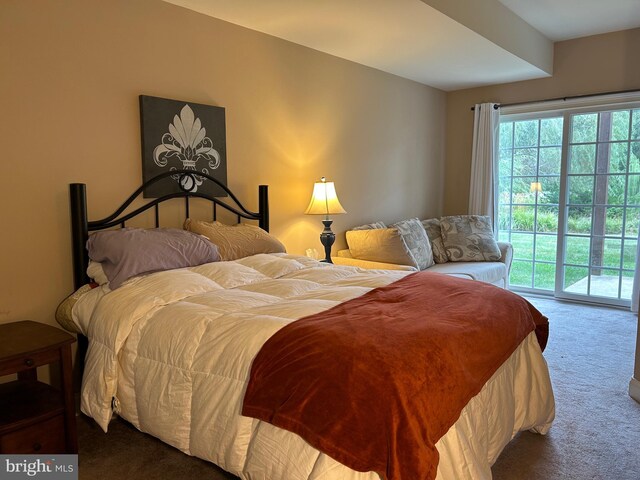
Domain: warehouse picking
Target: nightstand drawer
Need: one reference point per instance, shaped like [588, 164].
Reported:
[43, 437]
[28, 361]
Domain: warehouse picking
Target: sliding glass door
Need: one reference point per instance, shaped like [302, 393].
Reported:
[602, 207]
[529, 192]
[569, 202]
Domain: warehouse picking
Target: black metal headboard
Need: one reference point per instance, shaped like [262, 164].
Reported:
[81, 226]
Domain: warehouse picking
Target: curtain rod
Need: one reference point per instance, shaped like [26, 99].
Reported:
[564, 99]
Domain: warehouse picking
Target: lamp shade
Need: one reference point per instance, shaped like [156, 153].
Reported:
[324, 200]
[536, 187]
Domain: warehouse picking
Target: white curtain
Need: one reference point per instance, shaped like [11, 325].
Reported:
[483, 198]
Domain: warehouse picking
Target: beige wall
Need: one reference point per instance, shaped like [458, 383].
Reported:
[71, 75]
[600, 63]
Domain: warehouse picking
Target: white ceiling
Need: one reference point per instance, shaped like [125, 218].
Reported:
[565, 19]
[447, 44]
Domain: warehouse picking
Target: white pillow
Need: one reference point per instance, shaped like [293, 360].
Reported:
[96, 273]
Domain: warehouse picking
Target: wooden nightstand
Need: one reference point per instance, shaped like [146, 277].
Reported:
[35, 417]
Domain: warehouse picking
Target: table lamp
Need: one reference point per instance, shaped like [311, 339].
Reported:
[324, 201]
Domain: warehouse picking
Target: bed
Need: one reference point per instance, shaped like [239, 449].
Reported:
[171, 352]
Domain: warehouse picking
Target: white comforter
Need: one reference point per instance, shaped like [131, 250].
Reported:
[174, 350]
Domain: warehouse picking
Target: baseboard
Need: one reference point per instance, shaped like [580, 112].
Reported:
[634, 389]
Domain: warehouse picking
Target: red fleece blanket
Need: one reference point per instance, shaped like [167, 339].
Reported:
[376, 381]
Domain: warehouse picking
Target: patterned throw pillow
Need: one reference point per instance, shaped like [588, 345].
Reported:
[370, 226]
[432, 226]
[469, 238]
[415, 237]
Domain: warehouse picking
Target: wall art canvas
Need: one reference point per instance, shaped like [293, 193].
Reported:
[182, 136]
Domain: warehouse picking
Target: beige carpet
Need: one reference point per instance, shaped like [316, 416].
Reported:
[596, 434]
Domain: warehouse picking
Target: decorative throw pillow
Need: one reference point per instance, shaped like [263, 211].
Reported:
[370, 226]
[469, 238]
[380, 245]
[415, 237]
[432, 226]
[128, 252]
[237, 241]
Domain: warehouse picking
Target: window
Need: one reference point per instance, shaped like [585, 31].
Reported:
[530, 153]
[569, 200]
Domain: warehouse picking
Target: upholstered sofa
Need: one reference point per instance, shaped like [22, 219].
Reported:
[494, 271]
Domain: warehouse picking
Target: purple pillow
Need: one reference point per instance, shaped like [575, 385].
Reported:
[128, 252]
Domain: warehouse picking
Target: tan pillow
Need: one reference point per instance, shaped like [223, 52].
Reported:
[236, 241]
[380, 245]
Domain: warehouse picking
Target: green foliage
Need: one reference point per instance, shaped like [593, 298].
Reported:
[582, 158]
[580, 224]
[525, 144]
[635, 132]
[580, 190]
[634, 161]
[584, 128]
[620, 125]
[550, 160]
[523, 219]
[530, 151]
[525, 133]
[551, 132]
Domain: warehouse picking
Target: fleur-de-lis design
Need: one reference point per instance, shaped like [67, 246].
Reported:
[187, 141]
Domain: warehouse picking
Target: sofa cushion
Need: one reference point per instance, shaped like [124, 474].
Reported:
[469, 238]
[380, 245]
[489, 272]
[346, 259]
[415, 237]
[432, 227]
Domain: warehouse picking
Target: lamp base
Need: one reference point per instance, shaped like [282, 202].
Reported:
[327, 237]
